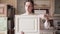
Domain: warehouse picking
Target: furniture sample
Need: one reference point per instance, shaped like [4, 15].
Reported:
[7, 13]
[10, 15]
[57, 25]
[3, 19]
[27, 24]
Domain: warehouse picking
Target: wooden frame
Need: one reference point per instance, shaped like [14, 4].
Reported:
[40, 12]
[45, 11]
[3, 10]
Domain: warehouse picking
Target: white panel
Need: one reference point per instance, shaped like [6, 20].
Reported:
[40, 12]
[28, 24]
[3, 25]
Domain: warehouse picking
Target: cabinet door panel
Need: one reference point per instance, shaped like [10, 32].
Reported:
[3, 25]
[27, 24]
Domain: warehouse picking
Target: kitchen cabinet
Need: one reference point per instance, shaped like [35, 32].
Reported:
[3, 19]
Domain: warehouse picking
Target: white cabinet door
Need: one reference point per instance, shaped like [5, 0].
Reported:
[27, 24]
[3, 25]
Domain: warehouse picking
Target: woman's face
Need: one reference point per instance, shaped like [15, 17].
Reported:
[28, 7]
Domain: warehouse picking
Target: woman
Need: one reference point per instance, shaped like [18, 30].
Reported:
[29, 7]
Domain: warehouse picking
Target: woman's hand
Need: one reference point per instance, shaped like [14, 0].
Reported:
[47, 16]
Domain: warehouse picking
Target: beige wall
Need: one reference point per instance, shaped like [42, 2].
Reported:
[49, 3]
[11, 2]
[20, 4]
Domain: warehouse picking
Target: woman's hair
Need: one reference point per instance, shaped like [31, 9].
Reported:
[31, 1]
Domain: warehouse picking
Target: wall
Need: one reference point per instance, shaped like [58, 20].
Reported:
[11, 2]
[19, 5]
[49, 3]
[57, 7]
